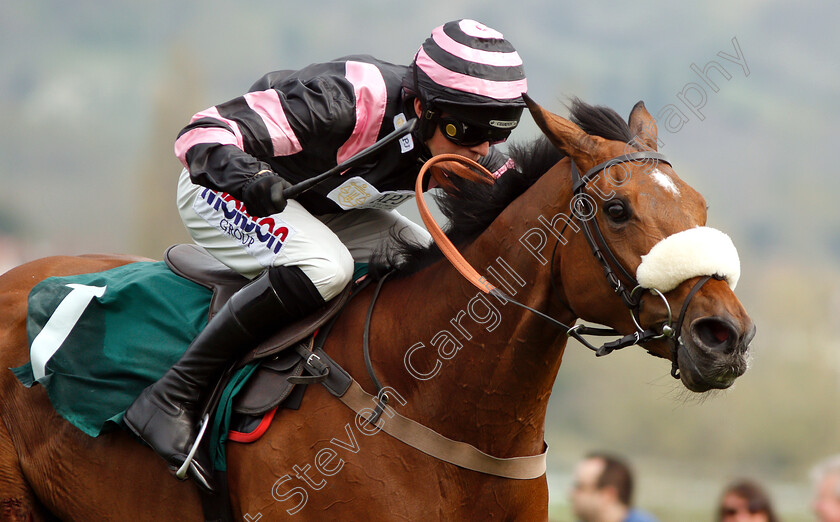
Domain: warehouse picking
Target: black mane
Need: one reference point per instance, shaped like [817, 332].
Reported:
[477, 205]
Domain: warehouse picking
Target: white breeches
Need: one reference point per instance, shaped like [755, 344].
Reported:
[323, 247]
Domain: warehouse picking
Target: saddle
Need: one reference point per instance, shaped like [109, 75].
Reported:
[271, 384]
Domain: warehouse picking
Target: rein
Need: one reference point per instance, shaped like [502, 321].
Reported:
[600, 249]
[605, 256]
[465, 455]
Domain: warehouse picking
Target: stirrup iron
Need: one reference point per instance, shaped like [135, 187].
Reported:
[182, 471]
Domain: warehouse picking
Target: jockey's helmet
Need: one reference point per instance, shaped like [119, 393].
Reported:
[470, 72]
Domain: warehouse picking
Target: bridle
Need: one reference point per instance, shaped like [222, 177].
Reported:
[532, 466]
[623, 283]
[618, 277]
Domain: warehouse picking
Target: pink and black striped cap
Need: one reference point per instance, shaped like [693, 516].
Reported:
[467, 63]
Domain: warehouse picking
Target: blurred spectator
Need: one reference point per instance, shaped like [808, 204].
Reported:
[745, 501]
[826, 477]
[603, 491]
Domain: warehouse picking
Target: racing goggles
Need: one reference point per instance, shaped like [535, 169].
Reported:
[468, 134]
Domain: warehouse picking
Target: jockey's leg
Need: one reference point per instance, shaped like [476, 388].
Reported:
[308, 265]
[165, 415]
[299, 238]
[367, 231]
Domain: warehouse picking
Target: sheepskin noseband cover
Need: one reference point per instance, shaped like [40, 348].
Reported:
[694, 252]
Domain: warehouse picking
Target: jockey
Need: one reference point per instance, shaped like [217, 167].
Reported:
[465, 85]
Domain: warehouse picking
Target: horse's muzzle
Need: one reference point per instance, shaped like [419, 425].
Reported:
[714, 352]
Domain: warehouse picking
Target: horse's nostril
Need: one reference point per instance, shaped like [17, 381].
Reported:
[715, 334]
[719, 332]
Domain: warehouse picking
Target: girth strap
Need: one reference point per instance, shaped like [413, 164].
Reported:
[340, 384]
[436, 445]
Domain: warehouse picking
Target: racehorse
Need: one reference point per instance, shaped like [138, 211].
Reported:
[472, 367]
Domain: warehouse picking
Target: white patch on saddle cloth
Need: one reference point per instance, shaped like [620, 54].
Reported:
[60, 324]
[694, 252]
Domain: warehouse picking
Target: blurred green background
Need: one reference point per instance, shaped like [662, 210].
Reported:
[93, 93]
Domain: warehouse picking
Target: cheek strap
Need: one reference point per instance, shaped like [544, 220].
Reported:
[700, 251]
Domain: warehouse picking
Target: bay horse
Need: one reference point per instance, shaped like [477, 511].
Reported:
[462, 363]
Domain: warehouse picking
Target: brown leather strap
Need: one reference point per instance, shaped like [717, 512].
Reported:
[454, 166]
[413, 433]
[436, 445]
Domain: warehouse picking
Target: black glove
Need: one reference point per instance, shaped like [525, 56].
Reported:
[264, 196]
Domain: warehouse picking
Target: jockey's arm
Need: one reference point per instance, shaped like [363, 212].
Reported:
[225, 146]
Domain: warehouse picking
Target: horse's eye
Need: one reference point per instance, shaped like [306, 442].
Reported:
[617, 210]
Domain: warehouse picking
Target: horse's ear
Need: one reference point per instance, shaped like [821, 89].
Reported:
[564, 134]
[643, 126]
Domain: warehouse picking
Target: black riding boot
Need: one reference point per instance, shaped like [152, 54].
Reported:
[165, 415]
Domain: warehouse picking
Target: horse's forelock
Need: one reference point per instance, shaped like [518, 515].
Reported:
[600, 121]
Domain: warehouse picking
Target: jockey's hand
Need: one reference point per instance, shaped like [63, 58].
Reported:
[264, 196]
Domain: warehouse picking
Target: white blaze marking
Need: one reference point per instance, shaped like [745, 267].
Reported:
[665, 181]
[58, 327]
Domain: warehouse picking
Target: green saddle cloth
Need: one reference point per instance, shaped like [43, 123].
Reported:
[97, 340]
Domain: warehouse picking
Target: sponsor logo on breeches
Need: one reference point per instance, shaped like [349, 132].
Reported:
[229, 215]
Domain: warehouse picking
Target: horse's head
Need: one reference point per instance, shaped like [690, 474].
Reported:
[622, 211]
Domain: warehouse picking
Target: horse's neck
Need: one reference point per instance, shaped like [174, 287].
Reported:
[471, 367]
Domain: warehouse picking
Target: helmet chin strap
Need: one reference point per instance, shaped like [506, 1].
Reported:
[428, 114]
[425, 154]
[428, 122]
[423, 132]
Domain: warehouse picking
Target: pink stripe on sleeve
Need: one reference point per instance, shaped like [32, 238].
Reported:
[371, 97]
[489, 88]
[208, 134]
[202, 135]
[267, 105]
[213, 112]
[475, 55]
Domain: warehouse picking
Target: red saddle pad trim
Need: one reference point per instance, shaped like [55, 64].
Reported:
[259, 431]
